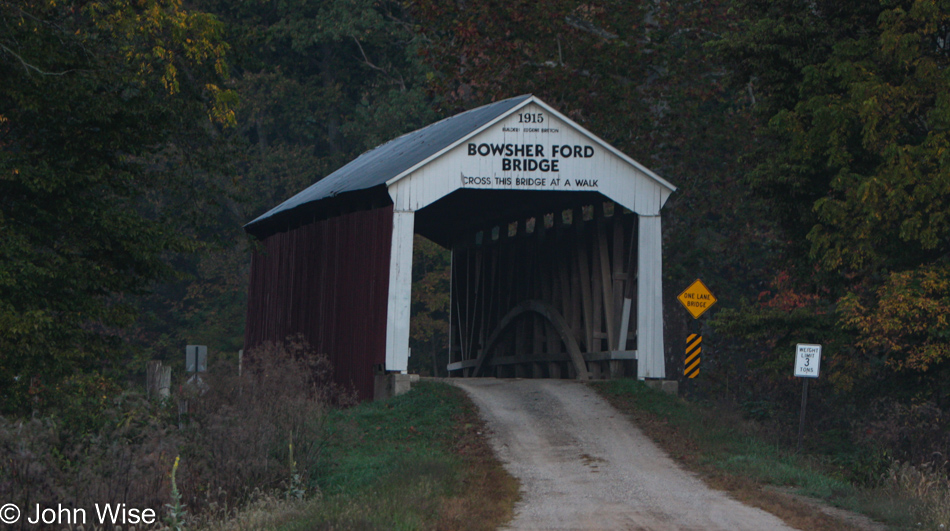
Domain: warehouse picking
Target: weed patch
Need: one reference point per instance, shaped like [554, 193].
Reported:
[417, 461]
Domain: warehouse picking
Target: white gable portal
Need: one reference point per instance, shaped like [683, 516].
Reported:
[533, 147]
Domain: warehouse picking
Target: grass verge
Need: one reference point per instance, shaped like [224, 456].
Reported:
[731, 454]
[417, 461]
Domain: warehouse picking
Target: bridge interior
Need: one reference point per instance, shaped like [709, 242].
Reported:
[543, 283]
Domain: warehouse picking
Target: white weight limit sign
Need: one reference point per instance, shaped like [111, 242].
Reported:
[807, 360]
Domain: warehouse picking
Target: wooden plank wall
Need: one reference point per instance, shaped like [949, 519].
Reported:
[581, 260]
[329, 281]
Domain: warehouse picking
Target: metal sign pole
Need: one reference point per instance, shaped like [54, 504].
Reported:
[801, 422]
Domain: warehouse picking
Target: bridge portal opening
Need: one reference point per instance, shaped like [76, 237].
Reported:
[543, 283]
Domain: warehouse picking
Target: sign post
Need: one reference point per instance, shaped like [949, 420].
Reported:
[196, 358]
[696, 299]
[196, 361]
[807, 364]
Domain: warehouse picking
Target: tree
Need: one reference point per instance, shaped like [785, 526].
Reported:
[856, 98]
[107, 111]
[322, 81]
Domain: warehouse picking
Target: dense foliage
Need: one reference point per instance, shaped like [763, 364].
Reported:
[808, 141]
[855, 96]
[101, 107]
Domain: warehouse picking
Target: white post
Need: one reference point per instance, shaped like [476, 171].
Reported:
[400, 292]
[650, 351]
[165, 383]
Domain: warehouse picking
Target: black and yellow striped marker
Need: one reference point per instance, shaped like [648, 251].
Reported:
[692, 355]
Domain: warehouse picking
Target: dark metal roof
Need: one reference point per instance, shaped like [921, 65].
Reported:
[378, 165]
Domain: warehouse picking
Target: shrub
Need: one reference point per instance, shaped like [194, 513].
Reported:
[917, 432]
[238, 433]
[234, 439]
[926, 485]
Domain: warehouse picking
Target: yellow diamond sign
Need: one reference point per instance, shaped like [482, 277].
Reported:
[697, 299]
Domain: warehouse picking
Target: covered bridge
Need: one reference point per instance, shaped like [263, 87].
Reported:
[555, 239]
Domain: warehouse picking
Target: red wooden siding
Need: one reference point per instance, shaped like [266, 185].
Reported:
[329, 281]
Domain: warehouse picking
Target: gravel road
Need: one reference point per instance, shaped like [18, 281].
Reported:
[583, 465]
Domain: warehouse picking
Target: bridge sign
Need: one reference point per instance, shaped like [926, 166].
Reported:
[697, 299]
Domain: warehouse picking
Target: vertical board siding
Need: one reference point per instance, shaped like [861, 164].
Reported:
[328, 281]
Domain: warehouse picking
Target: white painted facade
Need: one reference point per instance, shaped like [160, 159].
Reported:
[532, 147]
